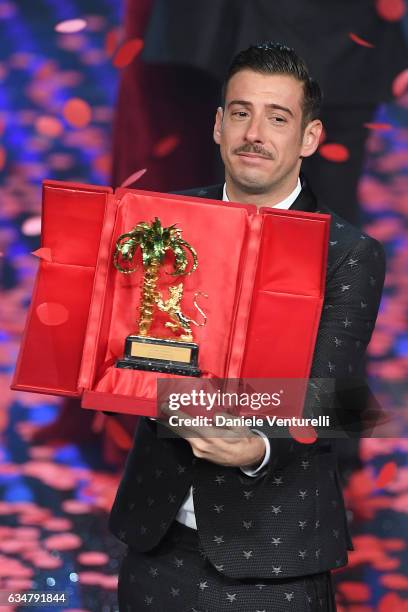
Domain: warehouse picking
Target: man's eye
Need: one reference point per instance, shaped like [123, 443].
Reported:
[277, 119]
[240, 114]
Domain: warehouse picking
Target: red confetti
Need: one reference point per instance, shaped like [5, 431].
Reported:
[52, 313]
[394, 544]
[360, 41]
[387, 473]
[392, 603]
[118, 434]
[400, 83]
[63, 541]
[395, 581]
[69, 26]
[384, 127]
[354, 591]
[103, 163]
[127, 52]
[133, 177]
[334, 152]
[390, 10]
[2, 157]
[303, 435]
[49, 126]
[166, 145]
[93, 558]
[111, 41]
[77, 112]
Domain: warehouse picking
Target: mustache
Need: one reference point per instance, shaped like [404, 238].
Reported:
[256, 149]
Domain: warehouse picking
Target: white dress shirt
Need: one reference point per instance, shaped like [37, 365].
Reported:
[186, 514]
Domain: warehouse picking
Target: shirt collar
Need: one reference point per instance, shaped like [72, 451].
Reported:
[284, 204]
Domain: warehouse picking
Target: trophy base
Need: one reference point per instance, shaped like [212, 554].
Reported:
[160, 355]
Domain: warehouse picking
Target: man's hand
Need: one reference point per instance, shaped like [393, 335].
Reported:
[229, 446]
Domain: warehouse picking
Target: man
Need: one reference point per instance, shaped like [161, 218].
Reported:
[251, 523]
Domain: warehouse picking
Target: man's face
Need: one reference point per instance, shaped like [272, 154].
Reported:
[260, 132]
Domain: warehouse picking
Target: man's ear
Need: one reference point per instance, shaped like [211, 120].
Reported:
[311, 138]
[218, 125]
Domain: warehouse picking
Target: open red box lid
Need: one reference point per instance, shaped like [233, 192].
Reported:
[263, 271]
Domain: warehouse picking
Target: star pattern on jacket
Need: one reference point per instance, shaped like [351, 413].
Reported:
[245, 523]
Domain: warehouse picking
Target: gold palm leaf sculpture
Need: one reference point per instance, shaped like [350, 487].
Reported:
[154, 241]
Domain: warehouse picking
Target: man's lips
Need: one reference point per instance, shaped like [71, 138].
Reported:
[253, 156]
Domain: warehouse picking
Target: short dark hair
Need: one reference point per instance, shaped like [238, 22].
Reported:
[275, 58]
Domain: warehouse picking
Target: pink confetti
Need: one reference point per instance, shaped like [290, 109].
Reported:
[133, 178]
[49, 126]
[44, 561]
[17, 584]
[90, 578]
[334, 152]
[41, 452]
[52, 313]
[70, 25]
[58, 524]
[109, 582]
[74, 506]
[93, 558]
[14, 569]
[63, 541]
[12, 546]
[127, 52]
[27, 533]
[32, 226]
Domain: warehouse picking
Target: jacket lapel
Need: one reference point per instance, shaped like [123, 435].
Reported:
[306, 200]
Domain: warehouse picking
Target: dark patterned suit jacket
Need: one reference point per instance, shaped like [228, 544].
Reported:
[290, 520]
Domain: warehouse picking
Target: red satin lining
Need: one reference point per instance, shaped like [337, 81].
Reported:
[99, 292]
[218, 275]
[245, 297]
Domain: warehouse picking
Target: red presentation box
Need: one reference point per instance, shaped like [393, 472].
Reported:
[263, 271]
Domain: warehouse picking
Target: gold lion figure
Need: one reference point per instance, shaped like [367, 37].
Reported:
[179, 321]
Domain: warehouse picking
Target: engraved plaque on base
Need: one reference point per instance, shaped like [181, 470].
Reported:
[160, 355]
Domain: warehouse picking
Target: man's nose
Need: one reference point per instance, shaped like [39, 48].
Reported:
[254, 131]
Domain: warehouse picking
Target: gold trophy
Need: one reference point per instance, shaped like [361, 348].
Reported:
[142, 351]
